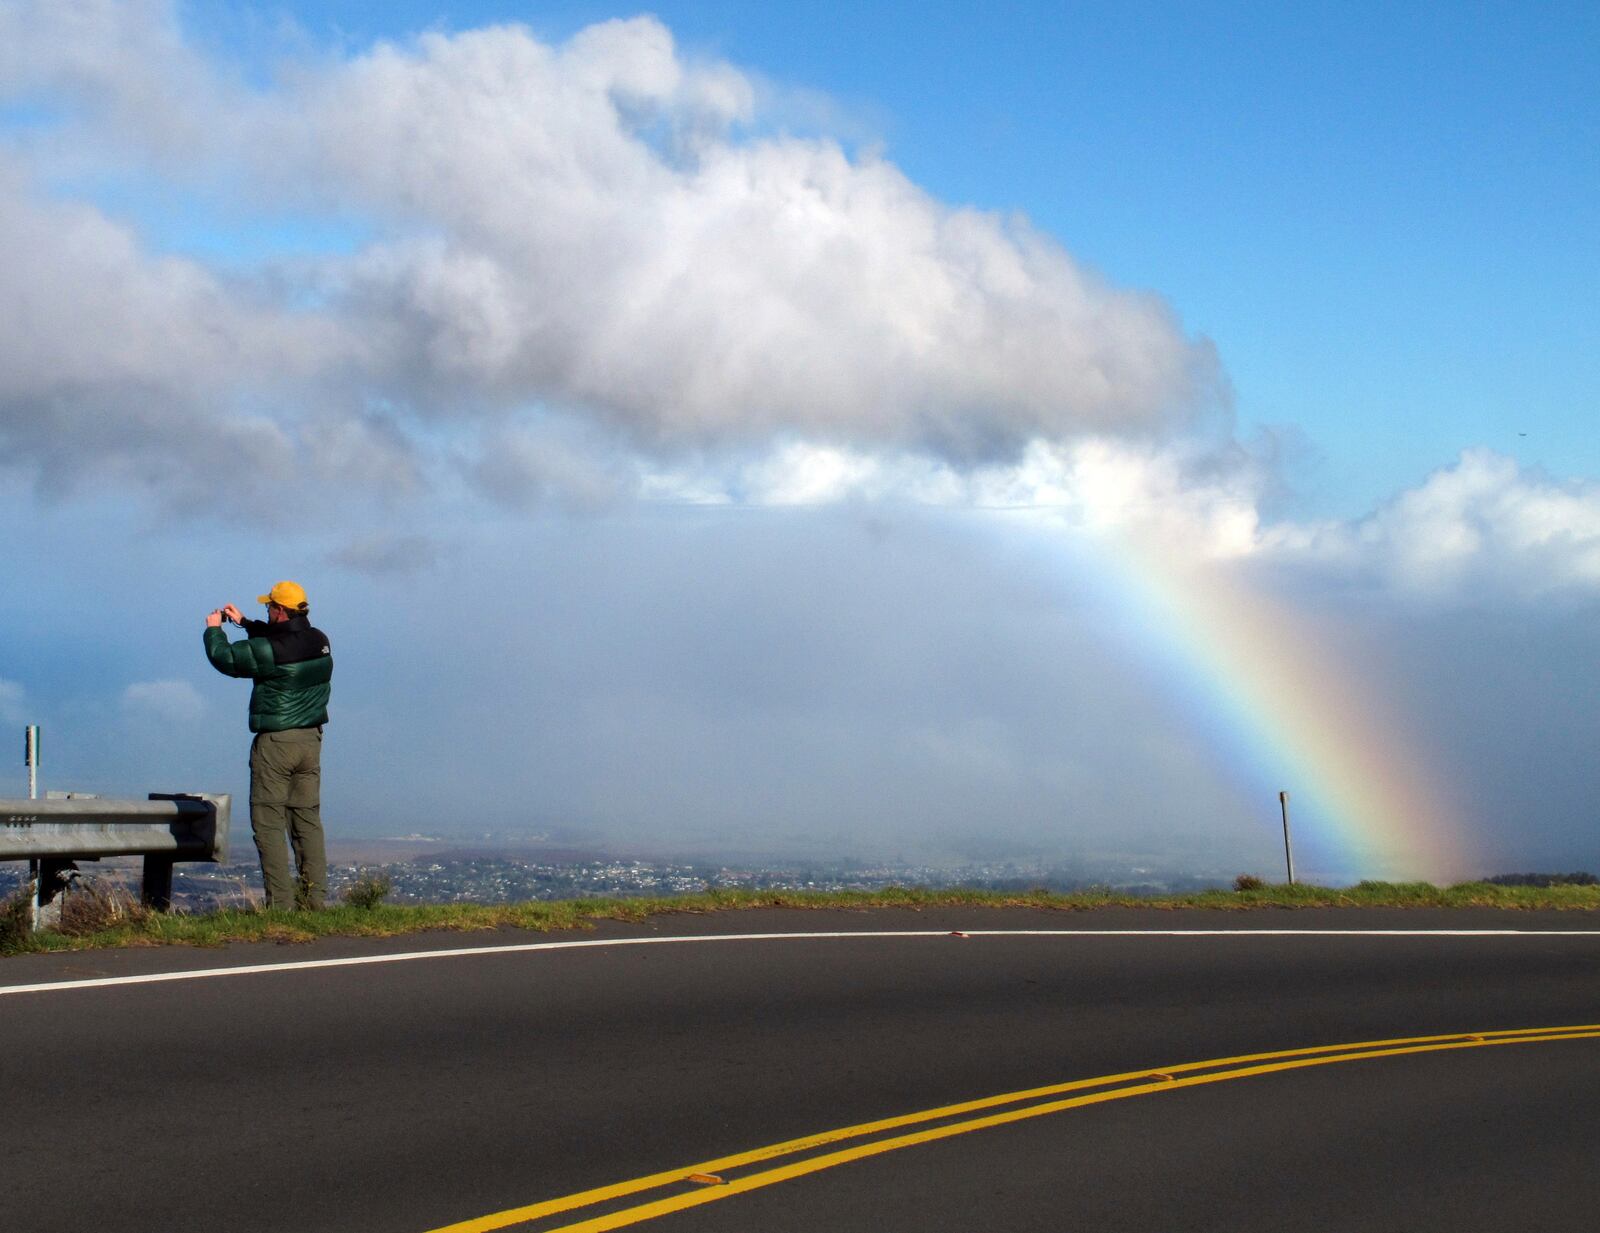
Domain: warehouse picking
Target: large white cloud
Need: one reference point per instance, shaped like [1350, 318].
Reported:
[127, 63]
[169, 377]
[606, 238]
[600, 226]
[110, 355]
[1482, 526]
[593, 275]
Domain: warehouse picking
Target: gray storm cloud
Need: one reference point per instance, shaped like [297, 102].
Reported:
[117, 362]
[605, 226]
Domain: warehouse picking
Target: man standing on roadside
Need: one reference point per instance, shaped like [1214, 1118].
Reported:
[292, 670]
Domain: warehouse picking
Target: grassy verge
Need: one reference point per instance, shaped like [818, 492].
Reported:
[385, 920]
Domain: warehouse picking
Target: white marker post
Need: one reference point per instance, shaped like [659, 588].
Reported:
[30, 754]
[1288, 848]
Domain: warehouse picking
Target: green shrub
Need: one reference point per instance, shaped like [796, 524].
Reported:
[1542, 880]
[368, 891]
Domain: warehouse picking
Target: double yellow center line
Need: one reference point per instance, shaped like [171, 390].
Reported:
[709, 1180]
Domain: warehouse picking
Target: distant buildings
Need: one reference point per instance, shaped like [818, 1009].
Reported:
[506, 879]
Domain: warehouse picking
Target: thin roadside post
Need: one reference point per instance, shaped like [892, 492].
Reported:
[30, 755]
[1288, 847]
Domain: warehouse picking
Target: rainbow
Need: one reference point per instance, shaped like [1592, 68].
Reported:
[1277, 698]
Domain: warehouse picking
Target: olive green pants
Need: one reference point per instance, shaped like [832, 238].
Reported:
[286, 797]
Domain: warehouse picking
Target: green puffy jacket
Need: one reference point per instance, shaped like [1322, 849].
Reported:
[291, 665]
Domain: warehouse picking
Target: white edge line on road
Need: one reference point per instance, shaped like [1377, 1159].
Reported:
[152, 978]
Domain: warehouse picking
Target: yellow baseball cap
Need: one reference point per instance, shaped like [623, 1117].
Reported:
[290, 595]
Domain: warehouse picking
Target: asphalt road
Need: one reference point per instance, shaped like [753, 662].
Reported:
[408, 1096]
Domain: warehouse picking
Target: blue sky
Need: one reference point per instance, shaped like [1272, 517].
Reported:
[722, 428]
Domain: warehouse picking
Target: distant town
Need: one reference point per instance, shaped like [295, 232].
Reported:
[492, 869]
[441, 871]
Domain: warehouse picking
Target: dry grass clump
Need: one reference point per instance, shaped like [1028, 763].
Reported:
[239, 897]
[92, 906]
[15, 912]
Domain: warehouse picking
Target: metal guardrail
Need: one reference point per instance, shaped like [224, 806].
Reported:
[166, 828]
[190, 826]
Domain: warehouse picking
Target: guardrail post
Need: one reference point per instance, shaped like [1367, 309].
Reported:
[157, 891]
[48, 891]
